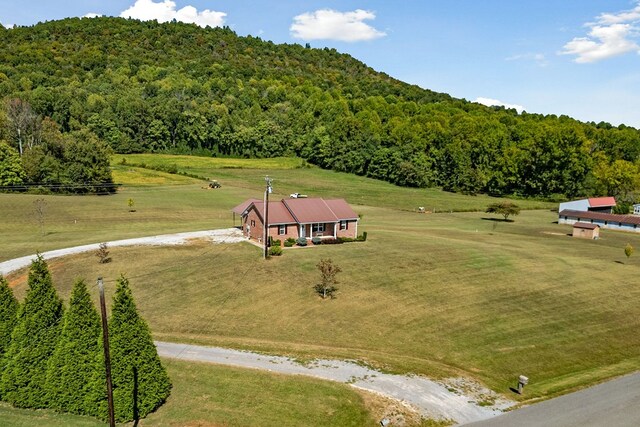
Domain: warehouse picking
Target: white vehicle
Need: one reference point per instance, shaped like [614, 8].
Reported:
[297, 196]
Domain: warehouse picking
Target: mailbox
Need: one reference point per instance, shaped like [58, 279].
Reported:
[523, 380]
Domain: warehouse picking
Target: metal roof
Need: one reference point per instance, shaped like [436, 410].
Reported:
[599, 202]
[585, 225]
[624, 219]
[301, 211]
[243, 206]
[313, 210]
[341, 209]
[278, 213]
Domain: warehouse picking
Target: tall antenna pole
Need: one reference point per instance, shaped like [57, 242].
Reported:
[267, 191]
[107, 357]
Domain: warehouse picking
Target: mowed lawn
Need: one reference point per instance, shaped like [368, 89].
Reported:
[169, 203]
[435, 294]
[211, 395]
[291, 175]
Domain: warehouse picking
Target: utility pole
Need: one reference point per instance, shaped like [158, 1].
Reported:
[107, 357]
[267, 191]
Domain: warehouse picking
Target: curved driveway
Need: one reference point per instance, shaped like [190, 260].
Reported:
[615, 403]
[227, 235]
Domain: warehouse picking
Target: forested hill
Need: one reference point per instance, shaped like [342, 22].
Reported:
[144, 86]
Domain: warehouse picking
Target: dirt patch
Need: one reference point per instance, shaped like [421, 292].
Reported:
[398, 414]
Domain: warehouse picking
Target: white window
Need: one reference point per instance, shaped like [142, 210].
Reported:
[253, 223]
[343, 225]
[317, 228]
[282, 229]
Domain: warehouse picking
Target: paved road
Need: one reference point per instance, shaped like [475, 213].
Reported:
[227, 235]
[612, 404]
[430, 398]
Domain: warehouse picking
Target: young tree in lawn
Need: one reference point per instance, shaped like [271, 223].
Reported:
[140, 382]
[506, 209]
[628, 250]
[328, 271]
[73, 363]
[33, 341]
[8, 317]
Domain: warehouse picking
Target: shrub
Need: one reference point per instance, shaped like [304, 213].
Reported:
[362, 237]
[331, 241]
[346, 239]
[275, 250]
[274, 242]
[301, 241]
[289, 242]
[316, 240]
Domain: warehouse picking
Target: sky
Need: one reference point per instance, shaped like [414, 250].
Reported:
[575, 57]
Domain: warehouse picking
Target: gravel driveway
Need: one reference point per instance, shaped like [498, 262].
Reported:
[226, 235]
[432, 399]
[457, 399]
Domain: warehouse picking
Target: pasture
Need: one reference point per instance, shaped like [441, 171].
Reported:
[445, 294]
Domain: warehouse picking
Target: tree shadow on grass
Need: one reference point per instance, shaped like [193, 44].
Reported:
[496, 219]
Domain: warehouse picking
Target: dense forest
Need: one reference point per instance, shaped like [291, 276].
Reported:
[174, 87]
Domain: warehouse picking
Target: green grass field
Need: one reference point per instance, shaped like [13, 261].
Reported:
[210, 395]
[294, 175]
[445, 294]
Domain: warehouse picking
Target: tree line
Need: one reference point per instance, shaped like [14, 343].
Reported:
[52, 358]
[175, 87]
[41, 157]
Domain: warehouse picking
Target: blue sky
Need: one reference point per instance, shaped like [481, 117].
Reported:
[574, 57]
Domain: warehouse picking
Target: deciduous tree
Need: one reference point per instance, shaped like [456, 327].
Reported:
[11, 171]
[506, 209]
[328, 272]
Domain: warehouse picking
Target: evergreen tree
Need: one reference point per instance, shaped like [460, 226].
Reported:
[72, 365]
[33, 341]
[140, 382]
[8, 317]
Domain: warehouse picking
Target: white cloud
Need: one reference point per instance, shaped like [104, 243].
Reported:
[497, 103]
[327, 24]
[612, 34]
[7, 26]
[165, 11]
[539, 58]
[92, 15]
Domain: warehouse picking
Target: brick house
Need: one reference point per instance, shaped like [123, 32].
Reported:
[295, 218]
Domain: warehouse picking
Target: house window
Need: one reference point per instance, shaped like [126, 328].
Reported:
[253, 223]
[343, 225]
[317, 228]
[282, 229]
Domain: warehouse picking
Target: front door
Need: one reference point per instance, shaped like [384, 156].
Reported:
[303, 229]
